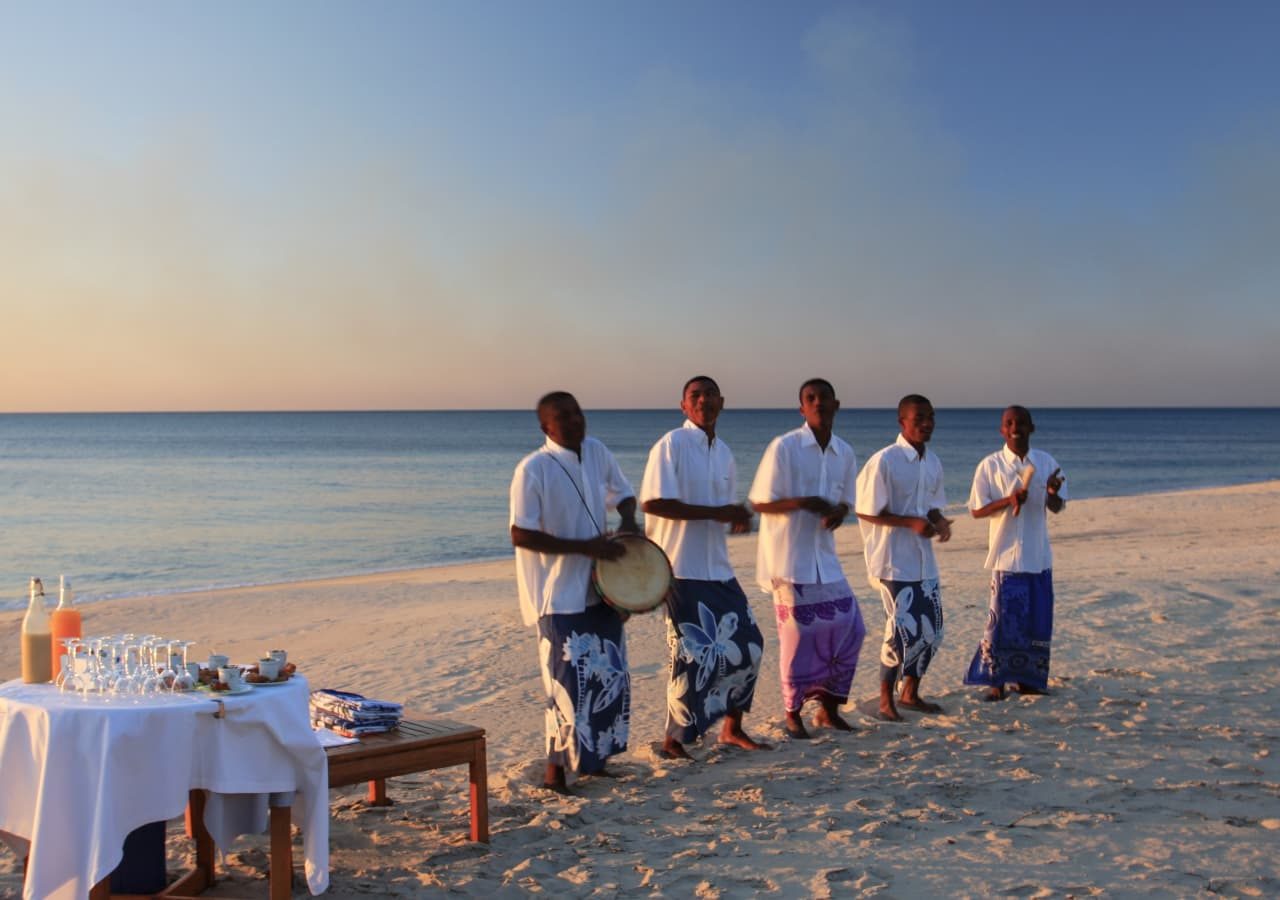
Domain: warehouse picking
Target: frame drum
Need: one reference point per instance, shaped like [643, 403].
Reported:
[637, 581]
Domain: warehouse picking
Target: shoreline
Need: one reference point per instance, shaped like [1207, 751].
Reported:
[1152, 768]
[956, 510]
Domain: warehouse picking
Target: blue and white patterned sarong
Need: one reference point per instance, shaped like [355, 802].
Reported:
[1015, 647]
[912, 627]
[583, 659]
[715, 655]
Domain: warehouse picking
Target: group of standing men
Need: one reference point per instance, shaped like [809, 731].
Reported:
[806, 486]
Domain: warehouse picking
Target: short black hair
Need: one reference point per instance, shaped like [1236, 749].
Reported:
[912, 400]
[684, 390]
[822, 381]
[551, 399]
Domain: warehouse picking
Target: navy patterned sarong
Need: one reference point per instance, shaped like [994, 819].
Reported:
[1015, 647]
[912, 627]
[715, 655]
[588, 686]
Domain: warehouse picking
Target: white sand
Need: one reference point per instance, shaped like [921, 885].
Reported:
[1151, 771]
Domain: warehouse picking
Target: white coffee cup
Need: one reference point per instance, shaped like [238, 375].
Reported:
[231, 676]
[269, 668]
[280, 655]
[218, 660]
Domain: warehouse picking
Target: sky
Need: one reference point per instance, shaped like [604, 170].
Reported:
[453, 205]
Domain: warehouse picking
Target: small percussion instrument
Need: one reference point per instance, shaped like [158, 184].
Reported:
[637, 581]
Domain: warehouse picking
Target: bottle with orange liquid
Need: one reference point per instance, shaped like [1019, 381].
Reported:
[64, 622]
[35, 638]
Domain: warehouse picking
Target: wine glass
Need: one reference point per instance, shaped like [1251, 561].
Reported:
[184, 681]
[67, 679]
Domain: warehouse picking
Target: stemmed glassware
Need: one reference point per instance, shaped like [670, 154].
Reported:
[67, 679]
[184, 680]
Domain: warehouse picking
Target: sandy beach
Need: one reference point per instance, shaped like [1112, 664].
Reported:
[1151, 769]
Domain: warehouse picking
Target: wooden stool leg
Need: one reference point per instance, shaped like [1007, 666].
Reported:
[281, 873]
[378, 792]
[479, 794]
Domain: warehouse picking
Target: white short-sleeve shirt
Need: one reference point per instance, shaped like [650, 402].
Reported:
[899, 480]
[1016, 543]
[684, 465]
[794, 547]
[554, 492]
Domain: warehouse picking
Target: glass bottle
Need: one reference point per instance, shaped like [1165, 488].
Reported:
[64, 622]
[36, 638]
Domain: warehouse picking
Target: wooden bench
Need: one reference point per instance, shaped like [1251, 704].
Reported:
[412, 747]
[416, 747]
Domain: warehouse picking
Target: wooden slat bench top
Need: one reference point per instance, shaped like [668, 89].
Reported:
[417, 745]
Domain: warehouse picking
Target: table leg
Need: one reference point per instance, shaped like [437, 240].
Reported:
[378, 792]
[479, 793]
[281, 871]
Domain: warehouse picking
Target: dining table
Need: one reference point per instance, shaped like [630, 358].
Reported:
[80, 771]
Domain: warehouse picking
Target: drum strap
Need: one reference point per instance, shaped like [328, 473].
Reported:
[585, 505]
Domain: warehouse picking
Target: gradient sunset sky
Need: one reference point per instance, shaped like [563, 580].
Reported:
[432, 205]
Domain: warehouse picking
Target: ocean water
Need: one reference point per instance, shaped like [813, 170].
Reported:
[148, 503]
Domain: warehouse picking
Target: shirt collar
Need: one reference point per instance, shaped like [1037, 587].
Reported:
[555, 449]
[1012, 458]
[688, 424]
[906, 445]
[809, 439]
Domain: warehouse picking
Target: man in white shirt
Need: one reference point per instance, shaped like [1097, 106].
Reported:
[900, 501]
[1013, 488]
[559, 496]
[688, 497]
[804, 490]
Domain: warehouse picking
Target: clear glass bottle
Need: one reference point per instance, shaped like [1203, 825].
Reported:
[36, 638]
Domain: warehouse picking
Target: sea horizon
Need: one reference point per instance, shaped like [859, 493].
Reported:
[158, 503]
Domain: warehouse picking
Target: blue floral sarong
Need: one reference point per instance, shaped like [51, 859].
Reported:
[715, 655]
[912, 627]
[588, 685]
[1015, 647]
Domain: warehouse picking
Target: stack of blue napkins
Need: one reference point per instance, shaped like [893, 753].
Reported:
[352, 715]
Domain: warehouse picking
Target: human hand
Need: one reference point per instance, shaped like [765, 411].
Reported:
[817, 505]
[922, 527]
[1054, 482]
[604, 547]
[942, 526]
[738, 517]
[835, 516]
[1016, 499]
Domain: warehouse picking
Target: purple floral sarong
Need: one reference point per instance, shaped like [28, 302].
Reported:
[820, 634]
[1015, 647]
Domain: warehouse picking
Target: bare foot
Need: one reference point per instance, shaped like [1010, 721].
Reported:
[919, 704]
[740, 738]
[794, 726]
[829, 717]
[554, 780]
[673, 749]
[995, 693]
[889, 714]
[606, 773]
[1028, 689]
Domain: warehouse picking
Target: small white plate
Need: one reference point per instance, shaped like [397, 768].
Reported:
[243, 689]
[258, 684]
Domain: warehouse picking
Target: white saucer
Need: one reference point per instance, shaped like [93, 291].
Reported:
[233, 692]
[259, 684]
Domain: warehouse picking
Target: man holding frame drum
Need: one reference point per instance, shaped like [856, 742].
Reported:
[688, 496]
[559, 500]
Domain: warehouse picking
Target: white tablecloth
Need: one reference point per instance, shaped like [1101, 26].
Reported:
[78, 774]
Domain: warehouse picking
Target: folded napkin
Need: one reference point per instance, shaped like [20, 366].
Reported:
[352, 714]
